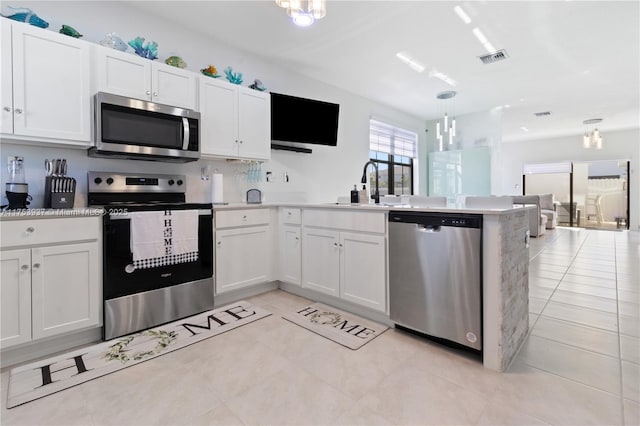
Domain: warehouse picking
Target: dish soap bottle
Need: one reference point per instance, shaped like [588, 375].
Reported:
[364, 195]
[354, 195]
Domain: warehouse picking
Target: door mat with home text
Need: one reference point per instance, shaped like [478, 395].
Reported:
[341, 327]
[44, 377]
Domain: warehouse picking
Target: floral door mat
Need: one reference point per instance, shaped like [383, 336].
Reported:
[341, 327]
[44, 377]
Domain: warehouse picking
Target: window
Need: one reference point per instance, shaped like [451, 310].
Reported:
[393, 150]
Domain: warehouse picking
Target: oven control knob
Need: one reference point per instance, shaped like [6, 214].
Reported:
[109, 181]
[98, 180]
[179, 182]
[171, 182]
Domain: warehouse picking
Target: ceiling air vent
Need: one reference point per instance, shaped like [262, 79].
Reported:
[500, 55]
[542, 114]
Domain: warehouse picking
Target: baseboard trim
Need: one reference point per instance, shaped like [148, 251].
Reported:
[362, 311]
[51, 346]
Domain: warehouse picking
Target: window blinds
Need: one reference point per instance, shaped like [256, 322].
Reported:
[391, 140]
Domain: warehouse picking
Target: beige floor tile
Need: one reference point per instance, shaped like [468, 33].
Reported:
[541, 273]
[556, 400]
[589, 338]
[630, 348]
[221, 415]
[631, 381]
[411, 396]
[543, 282]
[291, 397]
[595, 265]
[499, 414]
[629, 309]
[67, 407]
[462, 368]
[585, 301]
[148, 394]
[631, 413]
[237, 368]
[629, 326]
[360, 415]
[585, 316]
[590, 280]
[589, 368]
[592, 273]
[547, 267]
[588, 289]
[536, 305]
[396, 343]
[293, 341]
[353, 372]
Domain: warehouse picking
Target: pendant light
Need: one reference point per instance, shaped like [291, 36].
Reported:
[304, 12]
[593, 137]
[448, 126]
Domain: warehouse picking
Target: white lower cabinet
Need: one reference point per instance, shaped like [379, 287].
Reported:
[349, 265]
[49, 288]
[362, 270]
[243, 249]
[64, 288]
[321, 261]
[291, 254]
[15, 297]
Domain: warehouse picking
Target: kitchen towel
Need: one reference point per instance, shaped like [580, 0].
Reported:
[160, 238]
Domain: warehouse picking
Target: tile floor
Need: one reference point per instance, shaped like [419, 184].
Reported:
[579, 365]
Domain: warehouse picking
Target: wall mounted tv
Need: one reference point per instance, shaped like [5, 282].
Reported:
[303, 120]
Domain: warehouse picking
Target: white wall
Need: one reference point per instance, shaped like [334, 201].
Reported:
[621, 145]
[322, 176]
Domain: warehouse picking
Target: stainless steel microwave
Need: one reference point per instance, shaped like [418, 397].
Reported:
[137, 129]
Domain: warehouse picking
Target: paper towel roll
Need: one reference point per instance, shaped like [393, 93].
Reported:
[217, 188]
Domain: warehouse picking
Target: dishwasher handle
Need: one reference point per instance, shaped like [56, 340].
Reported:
[430, 228]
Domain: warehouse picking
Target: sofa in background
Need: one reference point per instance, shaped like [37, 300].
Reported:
[540, 219]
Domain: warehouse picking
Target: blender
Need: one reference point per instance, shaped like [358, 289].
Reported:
[17, 189]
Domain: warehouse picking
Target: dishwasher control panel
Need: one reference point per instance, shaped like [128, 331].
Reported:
[459, 220]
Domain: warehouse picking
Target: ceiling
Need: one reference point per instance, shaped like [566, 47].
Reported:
[578, 60]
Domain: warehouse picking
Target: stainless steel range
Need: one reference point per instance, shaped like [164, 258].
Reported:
[158, 250]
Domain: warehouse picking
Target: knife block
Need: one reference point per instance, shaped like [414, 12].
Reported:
[59, 192]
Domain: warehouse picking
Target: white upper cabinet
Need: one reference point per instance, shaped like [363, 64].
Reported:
[236, 121]
[45, 84]
[126, 74]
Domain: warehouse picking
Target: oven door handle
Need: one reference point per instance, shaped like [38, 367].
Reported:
[185, 133]
[127, 216]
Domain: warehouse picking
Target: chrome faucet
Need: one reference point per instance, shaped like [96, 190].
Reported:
[376, 195]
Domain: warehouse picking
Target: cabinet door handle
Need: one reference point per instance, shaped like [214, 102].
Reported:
[219, 243]
[24, 267]
[18, 111]
[335, 244]
[30, 230]
[241, 141]
[36, 265]
[297, 238]
[148, 92]
[340, 245]
[244, 217]
[7, 109]
[289, 213]
[155, 93]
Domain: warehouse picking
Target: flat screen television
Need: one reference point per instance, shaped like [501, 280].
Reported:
[303, 120]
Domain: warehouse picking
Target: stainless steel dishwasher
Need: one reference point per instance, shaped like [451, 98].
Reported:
[435, 275]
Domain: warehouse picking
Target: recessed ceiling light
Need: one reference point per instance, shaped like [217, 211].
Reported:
[462, 14]
[302, 19]
[442, 76]
[408, 59]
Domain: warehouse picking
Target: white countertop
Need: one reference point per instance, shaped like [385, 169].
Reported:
[375, 207]
[49, 213]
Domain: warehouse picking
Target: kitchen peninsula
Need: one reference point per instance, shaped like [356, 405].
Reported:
[307, 234]
[336, 254]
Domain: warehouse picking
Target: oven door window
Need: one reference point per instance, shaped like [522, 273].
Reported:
[129, 126]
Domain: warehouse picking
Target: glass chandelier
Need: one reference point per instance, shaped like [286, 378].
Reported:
[304, 12]
[592, 138]
[448, 126]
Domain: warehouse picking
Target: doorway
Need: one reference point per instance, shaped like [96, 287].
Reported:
[588, 194]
